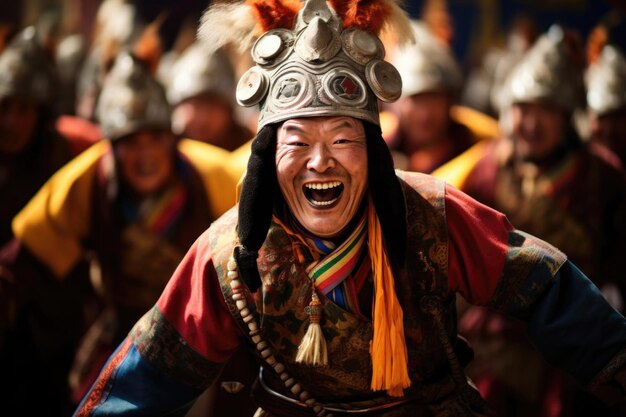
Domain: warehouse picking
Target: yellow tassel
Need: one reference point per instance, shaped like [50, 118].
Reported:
[312, 350]
[388, 347]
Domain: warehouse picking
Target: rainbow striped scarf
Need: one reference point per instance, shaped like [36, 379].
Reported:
[333, 264]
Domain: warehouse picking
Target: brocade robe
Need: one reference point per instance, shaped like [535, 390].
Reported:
[455, 245]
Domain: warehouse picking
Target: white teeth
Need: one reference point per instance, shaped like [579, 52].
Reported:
[323, 203]
[322, 185]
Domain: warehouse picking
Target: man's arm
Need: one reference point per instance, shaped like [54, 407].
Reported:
[569, 321]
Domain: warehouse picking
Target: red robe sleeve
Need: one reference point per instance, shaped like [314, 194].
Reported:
[478, 246]
[194, 305]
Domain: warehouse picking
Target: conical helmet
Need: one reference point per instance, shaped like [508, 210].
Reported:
[321, 65]
[131, 99]
[606, 82]
[196, 73]
[26, 70]
[546, 73]
[428, 65]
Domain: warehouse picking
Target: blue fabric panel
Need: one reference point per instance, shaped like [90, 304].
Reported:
[574, 327]
[137, 388]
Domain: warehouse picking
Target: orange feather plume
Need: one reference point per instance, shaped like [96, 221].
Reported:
[367, 15]
[597, 39]
[273, 14]
[149, 47]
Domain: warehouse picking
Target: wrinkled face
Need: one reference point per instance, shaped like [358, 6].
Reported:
[18, 119]
[321, 164]
[610, 130]
[146, 160]
[538, 129]
[206, 118]
[425, 117]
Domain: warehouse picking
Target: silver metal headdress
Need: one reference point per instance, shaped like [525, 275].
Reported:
[546, 73]
[196, 73]
[318, 68]
[26, 70]
[606, 82]
[428, 65]
[131, 100]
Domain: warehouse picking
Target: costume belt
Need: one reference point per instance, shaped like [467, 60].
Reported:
[344, 408]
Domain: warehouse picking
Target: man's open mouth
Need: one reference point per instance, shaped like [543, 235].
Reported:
[323, 194]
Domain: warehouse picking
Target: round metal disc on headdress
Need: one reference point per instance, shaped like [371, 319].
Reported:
[252, 87]
[344, 86]
[272, 47]
[362, 46]
[385, 80]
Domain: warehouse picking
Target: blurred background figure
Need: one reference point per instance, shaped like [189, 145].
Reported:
[606, 100]
[126, 210]
[201, 89]
[550, 183]
[30, 148]
[71, 52]
[483, 83]
[30, 152]
[115, 27]
[431, 130]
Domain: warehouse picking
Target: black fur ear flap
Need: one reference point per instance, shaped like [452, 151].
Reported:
[256, 204]
[387, 194]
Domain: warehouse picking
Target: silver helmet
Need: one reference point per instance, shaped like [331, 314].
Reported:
[546, 73]
[318, 68]
[428, 65]
[131, 100]
[606, 82]
[196, 73]
[26, 70]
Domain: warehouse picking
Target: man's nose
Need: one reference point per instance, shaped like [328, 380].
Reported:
[321, 158]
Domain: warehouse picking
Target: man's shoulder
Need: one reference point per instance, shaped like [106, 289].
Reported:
[221, 236]
[427, 186]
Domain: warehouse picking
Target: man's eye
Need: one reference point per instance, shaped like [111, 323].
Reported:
[298, 144]
[342, 141]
